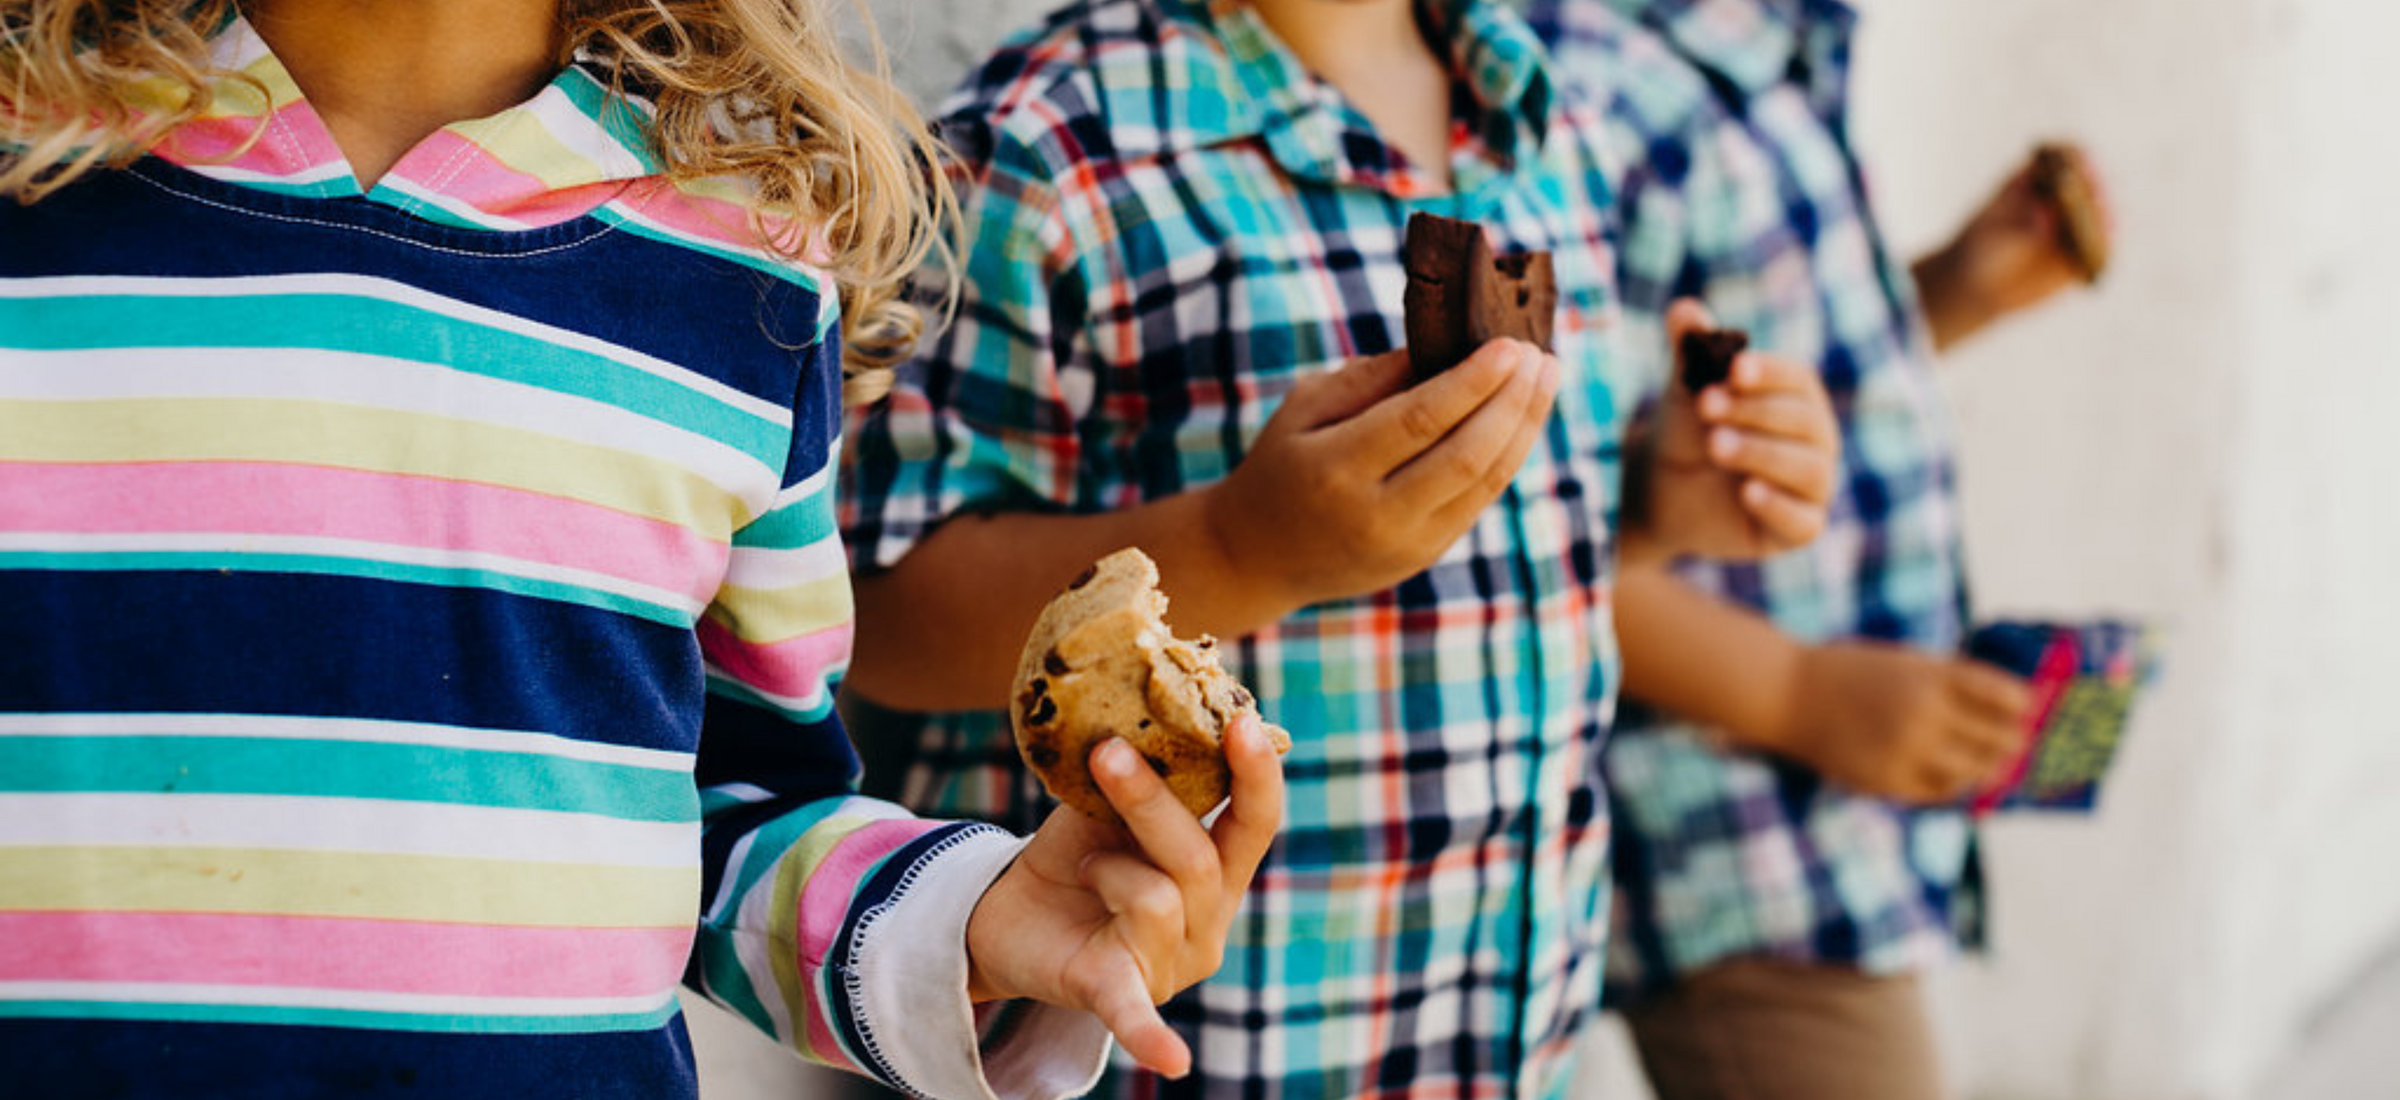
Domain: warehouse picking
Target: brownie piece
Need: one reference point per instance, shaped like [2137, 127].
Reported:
[2057, 179]
[1708, 356]
[1461, 296]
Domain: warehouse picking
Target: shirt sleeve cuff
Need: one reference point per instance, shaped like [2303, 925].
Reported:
[932, 1041]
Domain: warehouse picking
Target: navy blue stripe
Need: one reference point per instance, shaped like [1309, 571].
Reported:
[110, 1060]
[633, 291]
[298, 644]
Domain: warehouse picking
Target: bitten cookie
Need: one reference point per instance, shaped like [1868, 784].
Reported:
[2080, 232]
[1101, 663]
[1461, 296]
[1708, 356]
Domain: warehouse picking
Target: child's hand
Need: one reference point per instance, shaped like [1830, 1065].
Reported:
[1360, 481]
[1890, 721]
[1115, 921]
[1743, 470]
[2010, 256]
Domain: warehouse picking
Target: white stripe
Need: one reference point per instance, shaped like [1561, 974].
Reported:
[384, 383]
[269, 996]
[338, 729]
[330, 170]
[365, 286]
[752, 567]
[355, 549]
[583, 134]
[349, 825]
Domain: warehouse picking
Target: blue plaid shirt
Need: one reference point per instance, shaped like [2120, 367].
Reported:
[1723, 111]
[1171, 222]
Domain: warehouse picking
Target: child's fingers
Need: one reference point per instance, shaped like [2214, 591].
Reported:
[1786, 520]
[1113, 991]
[1484, 453]
[1170, 838]
[1397, 431]
[1340, 394]
[1982, 689]
[1802, 470]
[1784, 413]
[1757, 372]
[1250, 821]
[1148, 907]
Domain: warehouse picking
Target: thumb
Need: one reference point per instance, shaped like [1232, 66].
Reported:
[1345, 391]
[1117, 995]
[1686, 316]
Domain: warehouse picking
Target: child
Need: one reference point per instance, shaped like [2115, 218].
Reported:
[1182, 288]
[424, 604]
[1790, 855]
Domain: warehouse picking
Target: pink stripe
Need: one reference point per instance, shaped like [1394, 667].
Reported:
[794, 667]
[460, 960]
[293, 141]
[456, 168]
[260, 498]
[825, 900]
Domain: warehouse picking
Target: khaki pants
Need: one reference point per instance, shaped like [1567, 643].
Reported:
[1761, 1030]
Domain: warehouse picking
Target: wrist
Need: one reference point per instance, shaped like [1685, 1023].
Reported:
[1954, 306]
[1784, 728]
[1252, 590]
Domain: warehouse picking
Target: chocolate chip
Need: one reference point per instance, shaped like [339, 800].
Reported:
[1242, 695]
[1054, 664]
[1144, 724]
[1043, 756]
[1085, 577]
[1041, 711]
[1156, 764]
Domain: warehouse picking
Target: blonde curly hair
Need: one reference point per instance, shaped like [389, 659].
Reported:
[755, 90]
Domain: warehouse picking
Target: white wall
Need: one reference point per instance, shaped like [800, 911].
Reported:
[2202, 442]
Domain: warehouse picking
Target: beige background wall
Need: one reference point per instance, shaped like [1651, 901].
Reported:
[2209, 441]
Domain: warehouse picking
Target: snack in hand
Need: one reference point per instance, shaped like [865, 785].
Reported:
[1460, 296]
[1101, 663]
[1708, 356]
[2081, 234]
[2086, 678]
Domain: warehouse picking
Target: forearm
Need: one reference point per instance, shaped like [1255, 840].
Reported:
[1689, 653]
[1953, 312]
[941, 630]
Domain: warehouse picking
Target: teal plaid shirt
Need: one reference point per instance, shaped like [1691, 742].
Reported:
[1171, 222]
[1741, 187]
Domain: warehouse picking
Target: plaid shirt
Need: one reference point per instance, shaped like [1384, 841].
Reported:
[1725, 110]
[1172, 222]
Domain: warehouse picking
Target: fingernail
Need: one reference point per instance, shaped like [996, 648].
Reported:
[1715, 403]
[1724, 443]
[1116, 757]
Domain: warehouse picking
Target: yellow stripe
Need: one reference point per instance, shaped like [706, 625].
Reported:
[764, 616]
[525, 143]
[783, 928]
[352, 437]
[259, 881]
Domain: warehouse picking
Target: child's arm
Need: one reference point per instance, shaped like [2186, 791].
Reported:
[1354, 485]
[863, 936]
[2009, 257]
[1877, 717]
[1744, 470]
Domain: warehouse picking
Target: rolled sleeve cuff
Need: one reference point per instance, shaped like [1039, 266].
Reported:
[911, 1007]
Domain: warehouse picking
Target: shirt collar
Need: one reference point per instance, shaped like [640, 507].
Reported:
[1753, 43]
[1234, 80]
[554, 157]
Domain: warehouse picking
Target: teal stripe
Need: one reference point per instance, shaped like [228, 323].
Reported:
[329, 565]
[370, 326]
[740, 692]
[340, 1017]
[798, 523]
[622, 121]
[211, 765]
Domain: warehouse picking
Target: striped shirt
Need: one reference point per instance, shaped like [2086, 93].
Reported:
[1742, 187]
[1171, 222]
[424, 609]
